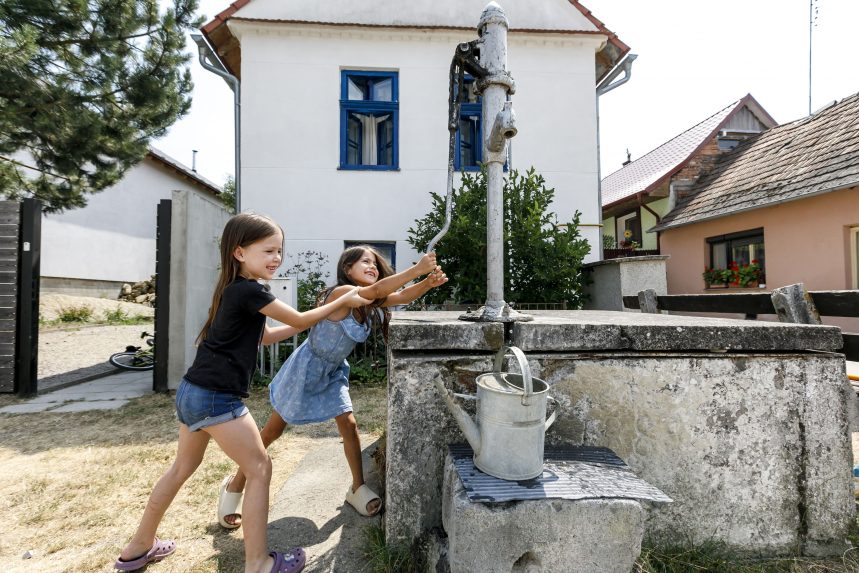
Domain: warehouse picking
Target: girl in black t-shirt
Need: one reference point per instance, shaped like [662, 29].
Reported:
[209, 398]
[313, 384]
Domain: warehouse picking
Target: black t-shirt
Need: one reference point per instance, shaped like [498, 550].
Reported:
[226, 359]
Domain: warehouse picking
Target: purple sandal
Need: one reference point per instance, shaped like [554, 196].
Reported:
[290, 562]
[159, 551]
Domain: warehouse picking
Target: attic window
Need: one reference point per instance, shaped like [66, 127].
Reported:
[726, 143]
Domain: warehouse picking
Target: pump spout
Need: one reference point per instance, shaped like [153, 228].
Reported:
[503, 128]
[466, 424]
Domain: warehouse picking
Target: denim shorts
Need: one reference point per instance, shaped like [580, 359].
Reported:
[198, 407]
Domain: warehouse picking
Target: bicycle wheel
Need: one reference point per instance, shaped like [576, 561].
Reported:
[132, 361]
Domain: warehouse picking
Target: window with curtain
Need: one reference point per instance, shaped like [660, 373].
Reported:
[469, 143]
[369, 113]
[738, 248]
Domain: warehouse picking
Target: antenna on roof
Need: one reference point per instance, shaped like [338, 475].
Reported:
[628, 158]
[812, 21]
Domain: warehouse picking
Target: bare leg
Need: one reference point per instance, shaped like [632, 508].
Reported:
[272, 430]
[348, 429]
[192, 446]
[241, 441]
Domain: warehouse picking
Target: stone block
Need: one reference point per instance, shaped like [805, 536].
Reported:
[539, 536]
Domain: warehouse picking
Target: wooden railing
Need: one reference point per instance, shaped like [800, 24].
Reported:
[621, 253]
[839, 303]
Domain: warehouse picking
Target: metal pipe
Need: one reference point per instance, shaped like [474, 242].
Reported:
[606, 86]
[217, 67]
[493, 56]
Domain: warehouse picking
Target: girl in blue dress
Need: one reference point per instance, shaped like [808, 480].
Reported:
[313, 384]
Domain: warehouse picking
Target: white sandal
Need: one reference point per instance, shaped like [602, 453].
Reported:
[361, 498]
[229, 503]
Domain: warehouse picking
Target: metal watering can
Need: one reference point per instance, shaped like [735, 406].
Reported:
[511, 420]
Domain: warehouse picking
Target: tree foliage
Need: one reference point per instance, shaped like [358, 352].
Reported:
[228, 194]
[542, 258]
[84, 86]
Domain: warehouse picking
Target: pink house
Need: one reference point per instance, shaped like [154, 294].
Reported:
[787, 199]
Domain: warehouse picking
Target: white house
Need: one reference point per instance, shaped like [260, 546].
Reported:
[95, 249]
[344, 110]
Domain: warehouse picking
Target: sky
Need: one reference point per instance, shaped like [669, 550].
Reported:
[695, 57]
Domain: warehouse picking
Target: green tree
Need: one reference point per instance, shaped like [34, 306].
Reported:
[228, 194]
[84, 86]
[542, 257]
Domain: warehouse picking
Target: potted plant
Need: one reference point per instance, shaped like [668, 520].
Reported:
[748, 275]
[712, 277]
[627, 242]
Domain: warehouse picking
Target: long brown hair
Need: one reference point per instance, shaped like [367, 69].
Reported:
[240, 231]
[369, 314]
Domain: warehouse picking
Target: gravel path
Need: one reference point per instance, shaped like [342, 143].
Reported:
[65, 350]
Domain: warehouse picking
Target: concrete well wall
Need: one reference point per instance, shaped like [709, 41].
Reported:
[751, 443]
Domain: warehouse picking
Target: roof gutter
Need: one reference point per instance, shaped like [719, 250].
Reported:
[208, 55]
[603, 87]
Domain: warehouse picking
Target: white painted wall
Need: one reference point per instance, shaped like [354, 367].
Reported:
[113, 237]
[197, 223]
[290, 128]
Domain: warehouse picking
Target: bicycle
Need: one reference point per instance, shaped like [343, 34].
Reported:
[136, 357]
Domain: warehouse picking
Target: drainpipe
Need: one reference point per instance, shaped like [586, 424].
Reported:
[217, 68]
[604, 87]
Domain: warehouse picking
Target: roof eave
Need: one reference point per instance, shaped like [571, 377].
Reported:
[228, 48]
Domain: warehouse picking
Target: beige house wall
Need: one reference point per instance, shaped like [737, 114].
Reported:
[807, 240]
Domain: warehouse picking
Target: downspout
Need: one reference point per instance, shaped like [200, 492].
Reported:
[603, 87]
[658, 220]
[218, 68]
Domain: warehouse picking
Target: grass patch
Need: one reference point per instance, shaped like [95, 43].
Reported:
[81, 313]
[384, 558]
[715, 558]
[120, 316]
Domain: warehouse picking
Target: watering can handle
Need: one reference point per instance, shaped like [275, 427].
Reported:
[527, 385]
[551, 419]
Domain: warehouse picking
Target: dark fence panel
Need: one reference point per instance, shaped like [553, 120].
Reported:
[9, 229]
[162, 298]
[27, 338]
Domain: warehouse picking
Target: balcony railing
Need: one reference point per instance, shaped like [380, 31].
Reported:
[620, 253]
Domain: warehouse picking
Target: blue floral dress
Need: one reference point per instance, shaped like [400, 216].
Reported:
[313, 384]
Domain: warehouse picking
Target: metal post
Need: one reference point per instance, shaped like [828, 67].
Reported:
[499, 125]
[27, 335]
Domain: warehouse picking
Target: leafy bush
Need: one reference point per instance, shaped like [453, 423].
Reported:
[80, 313]
[543, 257]
[608, 242]
[310, 278]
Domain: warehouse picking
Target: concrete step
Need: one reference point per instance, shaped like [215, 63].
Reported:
[310, 510]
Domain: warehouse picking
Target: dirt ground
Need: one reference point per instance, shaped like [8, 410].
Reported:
[63, 348]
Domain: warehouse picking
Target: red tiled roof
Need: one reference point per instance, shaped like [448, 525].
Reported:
[814, 155]
[649, 170]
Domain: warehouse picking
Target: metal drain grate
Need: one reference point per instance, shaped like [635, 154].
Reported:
[585, 472]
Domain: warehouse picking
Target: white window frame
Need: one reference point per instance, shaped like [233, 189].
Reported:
[854, 256]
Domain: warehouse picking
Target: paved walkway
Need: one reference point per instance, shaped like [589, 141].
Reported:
[108, 393]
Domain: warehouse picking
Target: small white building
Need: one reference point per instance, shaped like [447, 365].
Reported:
[344, 110]
[93, 250]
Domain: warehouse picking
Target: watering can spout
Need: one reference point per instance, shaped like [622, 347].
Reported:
[466, 424]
